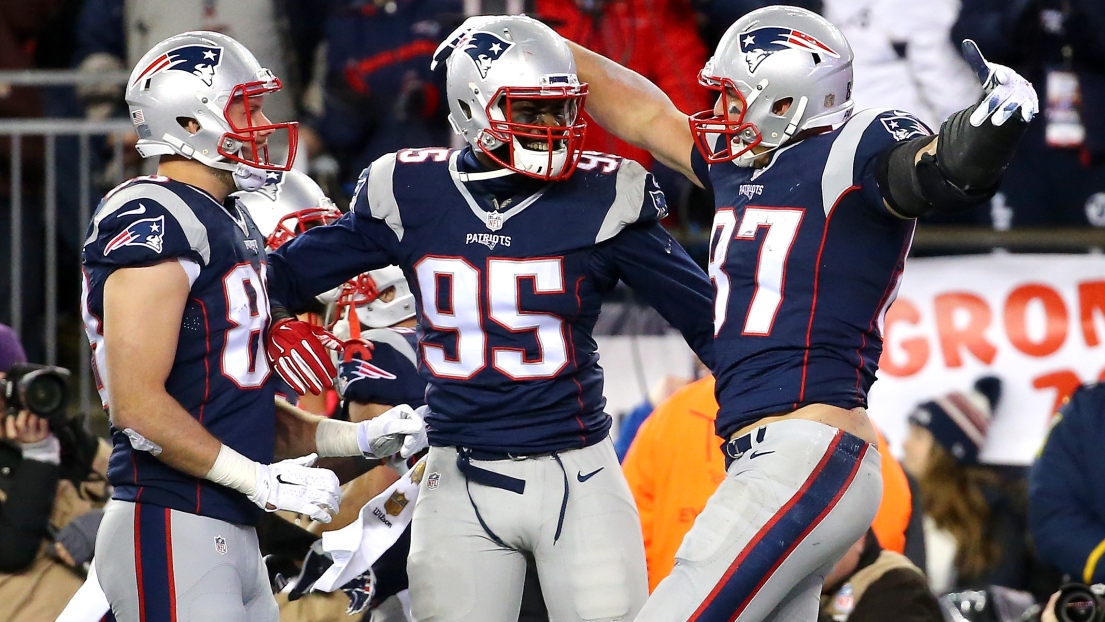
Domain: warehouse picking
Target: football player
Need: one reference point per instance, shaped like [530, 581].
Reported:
[176, 310]
[815, 213]
[509, 245]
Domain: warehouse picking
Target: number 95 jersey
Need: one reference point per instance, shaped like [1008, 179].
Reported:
[507, 298]
[220, 374]
[805, 260]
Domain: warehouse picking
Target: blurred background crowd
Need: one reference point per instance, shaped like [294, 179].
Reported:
[357, 78]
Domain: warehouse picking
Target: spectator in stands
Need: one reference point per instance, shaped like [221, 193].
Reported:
[975, 530]
[21, 25]
[1058, 175]
[35, 501]
[656, 38]
[870, 584]
[676, 463]
[378, 93]
[1066, 507]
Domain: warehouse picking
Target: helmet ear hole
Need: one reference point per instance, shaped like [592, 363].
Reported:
[185, 122]
[781, 105]
[465, 109]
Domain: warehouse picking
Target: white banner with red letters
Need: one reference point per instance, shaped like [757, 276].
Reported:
[1035, 321]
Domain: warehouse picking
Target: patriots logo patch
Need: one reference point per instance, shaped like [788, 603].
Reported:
[903, 126]
[148, 232]
[359, 369]
[198, 60]
[484, 48]
[360, 590]
[660, 202]
[760, 43]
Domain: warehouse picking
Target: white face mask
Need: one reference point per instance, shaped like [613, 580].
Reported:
[248, 178]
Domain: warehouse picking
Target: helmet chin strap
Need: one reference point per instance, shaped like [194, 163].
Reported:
[248, 178]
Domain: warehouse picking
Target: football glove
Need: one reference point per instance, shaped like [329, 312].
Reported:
[1006, 93]
[298, 352]
[400, 429]
[295, 486]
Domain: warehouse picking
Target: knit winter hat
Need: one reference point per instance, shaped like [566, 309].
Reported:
[11, 350]
[960, 420]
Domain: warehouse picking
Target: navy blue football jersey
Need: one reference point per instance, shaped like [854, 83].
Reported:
[220, 374]
[805, 260]
[385, 372]
[508, 297]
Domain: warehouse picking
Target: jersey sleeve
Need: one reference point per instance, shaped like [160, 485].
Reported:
[852, 159]
[385, 372]
[323, 258]
[654, 265]
[637, 199]
[143, 224]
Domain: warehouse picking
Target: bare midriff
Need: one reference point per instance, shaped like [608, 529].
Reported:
[853, 421]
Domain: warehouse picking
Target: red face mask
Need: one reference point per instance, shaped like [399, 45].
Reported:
[252, 138]
[706, 124]
[568, 136]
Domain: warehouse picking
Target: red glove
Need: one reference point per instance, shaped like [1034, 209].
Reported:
[298, 352]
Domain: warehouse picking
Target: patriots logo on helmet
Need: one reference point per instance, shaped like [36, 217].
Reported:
[148, 232]
[198, 60]
[485, 48]
[758, 44]
[273, 182]
[360, 590]
[903, 126]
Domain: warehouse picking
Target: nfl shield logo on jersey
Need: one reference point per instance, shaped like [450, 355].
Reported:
[220, 545]
[198, 60]
[148, 232]
[433, 480]
[485, 48]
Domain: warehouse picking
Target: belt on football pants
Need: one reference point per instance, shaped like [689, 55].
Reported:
[484, 477]
[739, 446]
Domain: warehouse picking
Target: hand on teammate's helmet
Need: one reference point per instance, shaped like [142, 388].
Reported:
[400, 430]
[298, 352]
[296, 486]
[1007, 93]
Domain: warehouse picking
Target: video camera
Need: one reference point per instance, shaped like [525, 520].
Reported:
[41, 389]
[1080, 603]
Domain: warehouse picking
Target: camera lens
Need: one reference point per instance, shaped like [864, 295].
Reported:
[44, 394]
[1076, 604]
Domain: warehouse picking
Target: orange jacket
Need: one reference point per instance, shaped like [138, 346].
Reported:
[676, 463]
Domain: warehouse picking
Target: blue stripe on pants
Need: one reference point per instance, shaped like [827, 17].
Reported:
[778, 538]
[153, 564]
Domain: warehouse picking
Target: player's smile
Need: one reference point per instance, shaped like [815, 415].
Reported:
[542, 113]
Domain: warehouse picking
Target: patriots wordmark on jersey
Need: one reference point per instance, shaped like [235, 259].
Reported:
[220, 374]
[509, 278]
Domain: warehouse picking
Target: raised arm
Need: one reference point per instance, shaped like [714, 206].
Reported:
[635, 110]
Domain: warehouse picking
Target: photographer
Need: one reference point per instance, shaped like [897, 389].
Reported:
[30, 459]
[48, 518]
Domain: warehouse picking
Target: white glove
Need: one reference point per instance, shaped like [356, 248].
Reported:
[400, 429]
[295, 486]
[1006, 91]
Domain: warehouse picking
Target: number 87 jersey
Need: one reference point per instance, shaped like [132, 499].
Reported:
[220, 374]
[805, 259]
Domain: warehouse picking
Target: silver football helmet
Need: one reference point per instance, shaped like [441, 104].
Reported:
[779, 70]
[288, 204]
[509, 59]
[199, 75]
[361, 295]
